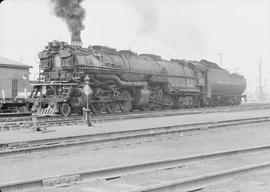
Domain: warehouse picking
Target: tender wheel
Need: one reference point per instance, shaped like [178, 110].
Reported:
[125, 105]
[65, 109]
[98, 108]
[112, 107]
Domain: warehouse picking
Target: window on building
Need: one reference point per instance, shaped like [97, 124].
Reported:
[14, 92]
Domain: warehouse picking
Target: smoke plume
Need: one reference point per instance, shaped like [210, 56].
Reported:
[73, 14]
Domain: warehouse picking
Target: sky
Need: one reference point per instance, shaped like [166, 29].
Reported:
[183, 29]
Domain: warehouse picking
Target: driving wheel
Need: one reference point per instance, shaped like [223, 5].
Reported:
[98, 108]
[112, 107]
[126, 103]
[65, 109]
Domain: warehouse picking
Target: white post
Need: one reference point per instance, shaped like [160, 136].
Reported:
[3, 96]
[25, 93]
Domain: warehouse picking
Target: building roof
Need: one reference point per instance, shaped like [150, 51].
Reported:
[4, 62]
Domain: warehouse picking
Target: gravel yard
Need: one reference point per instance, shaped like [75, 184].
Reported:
[52, 163]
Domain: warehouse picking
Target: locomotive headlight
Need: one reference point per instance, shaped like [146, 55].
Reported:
[57, 62]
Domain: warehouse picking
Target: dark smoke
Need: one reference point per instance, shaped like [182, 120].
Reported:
[73, 13]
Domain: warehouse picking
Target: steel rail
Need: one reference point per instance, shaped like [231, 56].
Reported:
[199, 182]
[119, 171]
[25, 122]
[7, 116]
[102, 138]
[14, 114]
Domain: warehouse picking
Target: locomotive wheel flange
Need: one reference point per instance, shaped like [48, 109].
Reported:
[125, 105]
[98, 108]
[65, 109]
[112, 107]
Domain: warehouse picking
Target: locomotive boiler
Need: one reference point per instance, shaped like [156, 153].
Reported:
[124, 81]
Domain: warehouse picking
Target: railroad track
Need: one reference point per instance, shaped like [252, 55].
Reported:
[197, 183]
[5, 115]
[118, 136]
[19, 117]
[187, 184]
[26, 122]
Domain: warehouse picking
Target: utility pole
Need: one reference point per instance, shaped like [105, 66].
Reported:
[220, 59]
[260, 79]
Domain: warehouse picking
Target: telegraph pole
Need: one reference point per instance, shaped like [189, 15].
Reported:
[220, 59]
[260, 79]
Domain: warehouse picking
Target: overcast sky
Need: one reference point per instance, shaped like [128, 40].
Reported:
[184, 29]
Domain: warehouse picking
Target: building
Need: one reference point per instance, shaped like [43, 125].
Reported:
[14, 78]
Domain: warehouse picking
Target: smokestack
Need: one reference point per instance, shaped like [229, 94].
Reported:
[73, 14]
[76, 38]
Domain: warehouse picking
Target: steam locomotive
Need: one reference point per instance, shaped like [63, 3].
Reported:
[125, 81]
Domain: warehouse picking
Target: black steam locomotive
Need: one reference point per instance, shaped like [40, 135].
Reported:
[124, 81]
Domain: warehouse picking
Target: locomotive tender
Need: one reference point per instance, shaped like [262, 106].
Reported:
[124, 81]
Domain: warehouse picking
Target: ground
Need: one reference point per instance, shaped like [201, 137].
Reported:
[84, 158]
